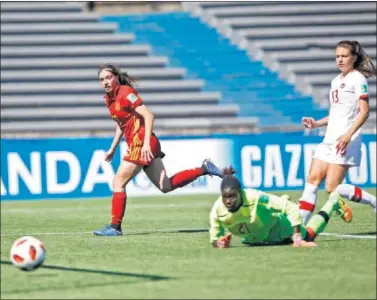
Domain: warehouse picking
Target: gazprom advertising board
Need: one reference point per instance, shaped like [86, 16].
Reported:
[75, 167]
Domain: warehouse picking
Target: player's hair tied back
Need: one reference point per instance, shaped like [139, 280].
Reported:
[363, 63]
[124, 78]
[229, 171]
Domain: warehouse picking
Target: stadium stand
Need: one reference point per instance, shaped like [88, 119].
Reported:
[296, 39]
[224, 67]
[220, 66]
[50, 53]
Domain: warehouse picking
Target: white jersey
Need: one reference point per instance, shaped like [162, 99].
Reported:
[344, 104]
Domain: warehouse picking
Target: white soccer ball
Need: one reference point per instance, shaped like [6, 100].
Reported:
[27, 253]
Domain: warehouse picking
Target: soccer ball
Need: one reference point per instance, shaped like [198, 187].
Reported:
[27, 253]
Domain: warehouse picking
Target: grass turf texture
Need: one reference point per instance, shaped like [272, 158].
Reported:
[146, 263]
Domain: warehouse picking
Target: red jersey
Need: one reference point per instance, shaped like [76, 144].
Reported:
[122, 107]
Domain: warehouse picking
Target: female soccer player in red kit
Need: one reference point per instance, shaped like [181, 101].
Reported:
[135, 121]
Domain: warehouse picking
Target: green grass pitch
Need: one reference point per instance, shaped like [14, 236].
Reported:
[165, 254]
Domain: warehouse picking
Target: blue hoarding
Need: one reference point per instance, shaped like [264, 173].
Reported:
[75, 167]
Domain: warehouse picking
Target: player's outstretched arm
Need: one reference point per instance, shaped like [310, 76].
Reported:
[223, 241]
[310, 123]
[216, 231]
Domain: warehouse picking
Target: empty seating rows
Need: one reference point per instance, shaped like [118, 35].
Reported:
[50, 54]
[297, 39]
[207, 54]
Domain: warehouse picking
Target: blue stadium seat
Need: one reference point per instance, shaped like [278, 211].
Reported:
[225, 68]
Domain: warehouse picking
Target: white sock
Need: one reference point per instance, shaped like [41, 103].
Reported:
[308, 201]
[356, 194]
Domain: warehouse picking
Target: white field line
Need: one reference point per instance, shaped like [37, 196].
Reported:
[349, 236]
[138, 206]
[177, 230]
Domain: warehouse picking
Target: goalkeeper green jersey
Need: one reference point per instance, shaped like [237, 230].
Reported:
[262, 217]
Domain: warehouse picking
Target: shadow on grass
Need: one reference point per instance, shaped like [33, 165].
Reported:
[262, 244]
[129, 275]
[102, 272]
[61, 287]
[286, 243]
[198, 230]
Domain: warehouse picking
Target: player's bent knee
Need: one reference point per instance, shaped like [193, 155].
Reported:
[166, 190]
[314, 179]
[166, 187]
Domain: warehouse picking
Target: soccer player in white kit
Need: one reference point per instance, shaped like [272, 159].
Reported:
[341, 146]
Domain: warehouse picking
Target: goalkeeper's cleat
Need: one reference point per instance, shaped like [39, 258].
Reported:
[108, 231]
[346, 211]
[210, 168]
[343, 210]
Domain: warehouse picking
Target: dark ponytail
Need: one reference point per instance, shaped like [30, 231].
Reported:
[229, 181]
[124, 78]
[363, 63]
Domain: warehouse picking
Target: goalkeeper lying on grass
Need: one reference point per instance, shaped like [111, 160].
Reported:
[261, 218]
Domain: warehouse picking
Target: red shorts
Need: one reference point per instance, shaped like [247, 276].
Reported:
[133, 153]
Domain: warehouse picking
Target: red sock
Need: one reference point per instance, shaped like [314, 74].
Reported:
[357, 195]
[183, 178]
[118, 206]
[310, 234]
